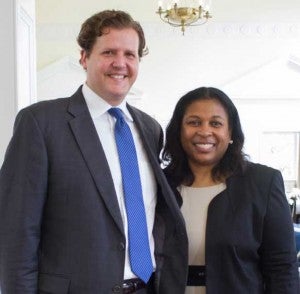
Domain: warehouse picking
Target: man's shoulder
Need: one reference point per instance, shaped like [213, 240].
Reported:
[54, 111]
[51, 106]
[46, 108]
[141, 115]
[45, 104]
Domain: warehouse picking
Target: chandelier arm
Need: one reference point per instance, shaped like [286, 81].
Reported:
[195, 24]
[174, 24]
[170, 23]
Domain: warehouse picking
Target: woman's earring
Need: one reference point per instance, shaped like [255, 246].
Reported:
[231, 141]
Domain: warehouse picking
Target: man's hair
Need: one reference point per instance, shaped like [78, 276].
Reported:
[99, 24]
[174, 156]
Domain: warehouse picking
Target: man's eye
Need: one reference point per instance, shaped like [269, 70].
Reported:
[130, 55]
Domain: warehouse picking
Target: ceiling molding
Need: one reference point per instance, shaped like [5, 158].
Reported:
[62, 32]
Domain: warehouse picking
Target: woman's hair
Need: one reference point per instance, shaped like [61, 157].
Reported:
[101, 22]
[174, 156]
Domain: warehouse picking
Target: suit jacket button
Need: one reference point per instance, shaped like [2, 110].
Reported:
[117, 289]
[121, 246]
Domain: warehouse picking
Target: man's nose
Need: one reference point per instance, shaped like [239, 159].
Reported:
[119, 61]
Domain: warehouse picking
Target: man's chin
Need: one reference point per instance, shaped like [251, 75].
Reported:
[117, 98]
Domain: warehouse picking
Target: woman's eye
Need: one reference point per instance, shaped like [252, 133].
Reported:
[216, 124]
[193, 123]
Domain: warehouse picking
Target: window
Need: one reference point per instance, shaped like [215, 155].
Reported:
[280, 150]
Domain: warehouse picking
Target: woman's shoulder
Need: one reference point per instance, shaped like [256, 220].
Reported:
[259, 169]
[261, 174]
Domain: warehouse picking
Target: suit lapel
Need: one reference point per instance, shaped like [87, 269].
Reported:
[235, 189]
[146, 134]
[88, 141]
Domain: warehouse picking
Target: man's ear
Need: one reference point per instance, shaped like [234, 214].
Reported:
[83, 58]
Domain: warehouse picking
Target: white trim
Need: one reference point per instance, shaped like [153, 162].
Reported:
[25, 56]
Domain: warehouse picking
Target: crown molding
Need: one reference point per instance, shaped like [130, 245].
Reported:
[63, 32]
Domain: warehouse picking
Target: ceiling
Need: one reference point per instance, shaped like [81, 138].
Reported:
[74, 11]
[58, 21]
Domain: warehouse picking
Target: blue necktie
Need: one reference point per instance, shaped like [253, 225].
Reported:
[139, 250]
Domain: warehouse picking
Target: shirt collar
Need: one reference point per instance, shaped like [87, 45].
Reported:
[98, 106]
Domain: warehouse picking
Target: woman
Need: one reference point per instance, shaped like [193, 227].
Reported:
[237, 216]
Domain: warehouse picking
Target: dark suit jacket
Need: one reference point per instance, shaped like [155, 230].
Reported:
[60, 225]
[250, 246]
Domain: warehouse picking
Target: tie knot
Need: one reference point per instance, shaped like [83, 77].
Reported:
[116, 112]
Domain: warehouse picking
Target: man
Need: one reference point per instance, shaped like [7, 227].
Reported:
[63, 219]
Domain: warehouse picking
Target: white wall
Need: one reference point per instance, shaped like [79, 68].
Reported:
[216, 54]
[17, 82]
[26, 53]
[8, 73]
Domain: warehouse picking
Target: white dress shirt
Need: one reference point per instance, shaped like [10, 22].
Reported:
[104, 124]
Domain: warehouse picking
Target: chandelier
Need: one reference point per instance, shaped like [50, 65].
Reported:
[183, 13]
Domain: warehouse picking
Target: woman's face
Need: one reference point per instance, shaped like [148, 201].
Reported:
[205, 133]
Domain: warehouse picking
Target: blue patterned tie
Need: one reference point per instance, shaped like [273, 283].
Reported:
[139, 250]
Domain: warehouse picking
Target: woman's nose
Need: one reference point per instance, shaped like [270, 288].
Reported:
[204, 131]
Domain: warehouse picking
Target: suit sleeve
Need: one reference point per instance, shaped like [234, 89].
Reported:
[23, 183]
[279, 264]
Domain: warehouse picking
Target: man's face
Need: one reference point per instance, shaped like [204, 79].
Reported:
[113, 63]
